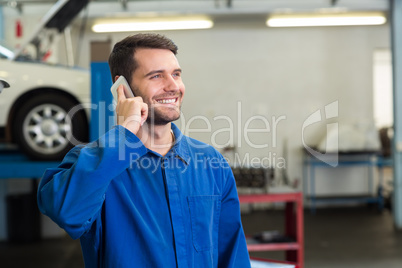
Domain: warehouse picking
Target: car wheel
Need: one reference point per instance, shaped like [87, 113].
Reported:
[44, 130]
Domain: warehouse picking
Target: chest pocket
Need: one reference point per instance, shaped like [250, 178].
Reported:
[204, 216]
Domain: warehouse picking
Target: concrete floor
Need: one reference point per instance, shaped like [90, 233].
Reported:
[334, 238]
[358, 237]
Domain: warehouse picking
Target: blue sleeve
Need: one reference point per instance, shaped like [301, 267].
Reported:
[72, 194]
[232, 242]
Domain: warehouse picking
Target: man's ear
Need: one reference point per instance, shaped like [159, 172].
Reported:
[115, 78]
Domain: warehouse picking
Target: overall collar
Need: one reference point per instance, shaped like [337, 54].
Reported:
[180, 148]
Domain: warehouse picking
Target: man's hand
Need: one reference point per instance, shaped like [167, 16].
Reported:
[131, 112]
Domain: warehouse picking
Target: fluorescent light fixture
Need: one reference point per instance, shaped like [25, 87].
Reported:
[331, 19]
[6, 52]
[148, 25]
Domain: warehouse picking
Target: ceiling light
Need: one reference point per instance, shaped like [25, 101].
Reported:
[148, 25]
[332, 19]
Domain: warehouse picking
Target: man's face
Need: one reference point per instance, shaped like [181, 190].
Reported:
[158, 81]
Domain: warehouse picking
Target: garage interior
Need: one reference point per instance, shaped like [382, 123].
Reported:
[308, 117]
[335, 237]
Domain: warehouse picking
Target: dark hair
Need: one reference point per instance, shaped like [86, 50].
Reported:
[121, 60]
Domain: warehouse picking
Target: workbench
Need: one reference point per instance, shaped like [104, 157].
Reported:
[372, 160]
[263, 263]
[294, 227]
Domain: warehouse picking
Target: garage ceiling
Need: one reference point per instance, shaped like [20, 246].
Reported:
[102, 8]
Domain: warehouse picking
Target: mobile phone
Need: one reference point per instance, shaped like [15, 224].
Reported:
[127, 90]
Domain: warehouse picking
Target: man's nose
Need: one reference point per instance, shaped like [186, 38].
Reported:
[172, 84]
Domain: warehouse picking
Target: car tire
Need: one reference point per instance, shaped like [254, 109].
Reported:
[45, 131]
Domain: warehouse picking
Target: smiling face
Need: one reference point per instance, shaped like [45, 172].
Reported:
[158, 81]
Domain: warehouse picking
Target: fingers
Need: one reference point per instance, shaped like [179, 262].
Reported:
[131, 112]
[140, 112]
[120, 93]
[144, 113]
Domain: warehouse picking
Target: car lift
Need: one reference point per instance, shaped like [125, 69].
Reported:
[15, 165]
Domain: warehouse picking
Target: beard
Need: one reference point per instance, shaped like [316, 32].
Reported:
[159, 115]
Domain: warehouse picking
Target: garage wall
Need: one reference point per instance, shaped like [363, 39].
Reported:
[241, 70]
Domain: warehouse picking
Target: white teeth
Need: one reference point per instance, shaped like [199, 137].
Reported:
[167, 101]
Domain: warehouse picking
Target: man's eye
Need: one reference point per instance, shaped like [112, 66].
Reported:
[155, 76]
[177, 74]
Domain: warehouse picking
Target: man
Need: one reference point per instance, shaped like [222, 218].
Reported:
[145, 195]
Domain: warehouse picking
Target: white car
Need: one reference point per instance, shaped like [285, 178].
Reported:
[3, 84]
[34, 109]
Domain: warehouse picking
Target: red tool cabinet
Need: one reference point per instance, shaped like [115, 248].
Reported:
[293, 224]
